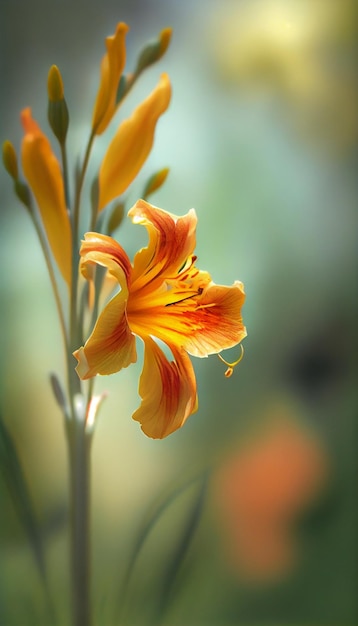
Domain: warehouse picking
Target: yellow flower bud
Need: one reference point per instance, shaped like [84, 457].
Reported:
[164, 39]
[10, 159]
[132, 144]
[57, 111]
[154, 50]
[55, 84]
[111, 70]
[43, 173]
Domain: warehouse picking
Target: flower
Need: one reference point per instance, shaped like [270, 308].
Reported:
[111, 70]
[263, 487]
[163, 296]
[43, 173]
[132, 143]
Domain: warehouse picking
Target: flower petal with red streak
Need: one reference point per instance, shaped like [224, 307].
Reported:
[111, 346]
[202, 318]
[167, 389]
[105, 251]
[171, 241]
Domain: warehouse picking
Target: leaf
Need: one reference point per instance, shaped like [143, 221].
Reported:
[175, 561]
[150, 520]
[14, 476]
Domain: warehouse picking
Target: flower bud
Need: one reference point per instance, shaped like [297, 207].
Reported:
[116, 217]
[10, 159]
[154, 51]
[155, 182]
[57, 108]
[58, 391]
[55, 85]
[132, 144]
[23, 193]
[164, 39]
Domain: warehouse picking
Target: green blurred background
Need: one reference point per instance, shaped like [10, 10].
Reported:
[261, 138]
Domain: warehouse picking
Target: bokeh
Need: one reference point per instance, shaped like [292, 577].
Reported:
[261, 138]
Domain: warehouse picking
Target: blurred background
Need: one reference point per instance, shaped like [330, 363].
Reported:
[261, 138]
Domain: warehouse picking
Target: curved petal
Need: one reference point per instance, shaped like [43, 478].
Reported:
[171, 241]
[43, 173]
[111, 346]
[111, 70]
[131, 144]
[168, 391]
[204, 320]
[105, 251]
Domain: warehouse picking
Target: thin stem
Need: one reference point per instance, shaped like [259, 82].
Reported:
[79, 440]
[79, 449]
[76, 210]
[65, 172]
[46, 253]
[73, 380]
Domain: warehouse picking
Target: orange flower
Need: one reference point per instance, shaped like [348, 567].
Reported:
[111, 70]
[132, 143]
[162, 295]
[262, 489]
[43, 173]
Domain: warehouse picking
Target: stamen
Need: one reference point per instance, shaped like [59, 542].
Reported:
[192, 295]
[230, 366]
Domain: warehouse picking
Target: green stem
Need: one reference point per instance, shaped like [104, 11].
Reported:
[76, 211]
[46, 253]
[65, 172]
[79, 440]
[80, 448]
[75, 334]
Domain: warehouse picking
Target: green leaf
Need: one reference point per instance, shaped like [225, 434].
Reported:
[152, 517]
[10, 466]
[180, 550]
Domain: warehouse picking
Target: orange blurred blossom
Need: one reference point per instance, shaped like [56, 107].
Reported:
[260, 491]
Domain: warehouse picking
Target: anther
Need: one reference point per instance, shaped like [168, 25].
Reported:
[230, 366]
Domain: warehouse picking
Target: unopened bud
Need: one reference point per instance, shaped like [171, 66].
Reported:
[124, 85]
[58, 391]
[57, 108]
[55, 84]
[154, 51]
[116, 217]
[155, 182]
[23, 193]
[10, 159]
[164, 38]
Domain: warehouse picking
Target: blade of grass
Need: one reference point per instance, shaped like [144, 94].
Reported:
[148, 523]
[183, 543]
[15, 480]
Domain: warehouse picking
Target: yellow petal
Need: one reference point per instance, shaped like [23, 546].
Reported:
[132, 143]
[172, 240]
[105, 251]
[168, 391]
[194, 314]
[111, 346]
[43, 173]
[111, 70]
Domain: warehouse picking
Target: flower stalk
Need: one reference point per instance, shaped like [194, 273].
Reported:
[160, 296]
[80, 478]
